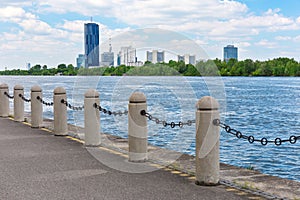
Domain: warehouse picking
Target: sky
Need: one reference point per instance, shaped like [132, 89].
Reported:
[50, 32]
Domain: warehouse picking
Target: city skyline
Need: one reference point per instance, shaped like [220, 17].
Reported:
[51, 32]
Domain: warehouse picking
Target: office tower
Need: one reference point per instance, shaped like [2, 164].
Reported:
[127, 56]
[156, 56]
[187, 59]
[230, 51]
[91, 44]
[107, 58]
[80, 61]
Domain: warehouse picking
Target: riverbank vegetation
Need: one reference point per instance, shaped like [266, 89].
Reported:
[248, 67]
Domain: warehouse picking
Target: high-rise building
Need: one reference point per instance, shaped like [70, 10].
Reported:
[156, 56]
[187, 59]
[230, 51]
[28, 66]
[91, 44]
[80, 61]
[107, 58]
[127, 56]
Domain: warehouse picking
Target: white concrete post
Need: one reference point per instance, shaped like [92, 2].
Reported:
[60, 111]
[18, 103]
[207, 142]
[4, 101]
[137, 128]
[36, 107]
[92, 134]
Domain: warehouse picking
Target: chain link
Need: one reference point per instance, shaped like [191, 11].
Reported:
[164, 123]
[44, 102]
[23, 98]
[70, 106]
[251, 139]
[6, 94]
[105, 111]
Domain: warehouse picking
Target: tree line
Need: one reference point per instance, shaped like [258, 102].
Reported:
[248, 67]
[38, 70]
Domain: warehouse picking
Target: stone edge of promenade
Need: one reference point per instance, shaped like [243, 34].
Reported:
[248, 179]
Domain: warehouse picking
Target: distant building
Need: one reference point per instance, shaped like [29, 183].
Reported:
[136, 63]
[91, 44]
[187, 59]
[156, 56]
[230, 51]
[127, 56]
[28, 65]
[80, 61]
[107, 58]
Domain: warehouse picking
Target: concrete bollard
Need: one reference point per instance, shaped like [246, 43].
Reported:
[91, 119]
[60, 112]
[207, 142]
[137, 128]
[4, 101]
[18, 103]
[36, 107]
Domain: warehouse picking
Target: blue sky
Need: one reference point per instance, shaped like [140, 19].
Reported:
[50, 32]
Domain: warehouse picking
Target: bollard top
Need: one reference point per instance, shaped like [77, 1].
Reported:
[3, 86]
[137, 97]
[207, 103]
[36, 88]
[18, 87]
[59, 90]
[91, 93]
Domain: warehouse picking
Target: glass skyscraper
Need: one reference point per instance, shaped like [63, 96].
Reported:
[91, 45]
[80, 61]
[230, 51]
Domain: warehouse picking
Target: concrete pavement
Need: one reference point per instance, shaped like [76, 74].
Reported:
[35, 164]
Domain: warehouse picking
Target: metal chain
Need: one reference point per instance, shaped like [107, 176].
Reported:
[23, 98]
[105, 111]
[70, 106]
[264, 141]
[44, 102]
[164, 123]
[6, 94]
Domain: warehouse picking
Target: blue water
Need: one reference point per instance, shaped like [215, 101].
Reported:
[258, 106]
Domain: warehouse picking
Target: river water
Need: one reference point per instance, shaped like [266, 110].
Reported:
[258, 106]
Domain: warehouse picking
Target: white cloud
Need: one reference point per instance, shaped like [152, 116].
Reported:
[15, 3]
[73, 26]
[266, 44]
[288, 38]
[85, 7]
[297, 38]
[243, 44]
[204, 18]
[283, 38]
[14, 14]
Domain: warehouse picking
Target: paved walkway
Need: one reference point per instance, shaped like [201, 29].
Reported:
[34, 164]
